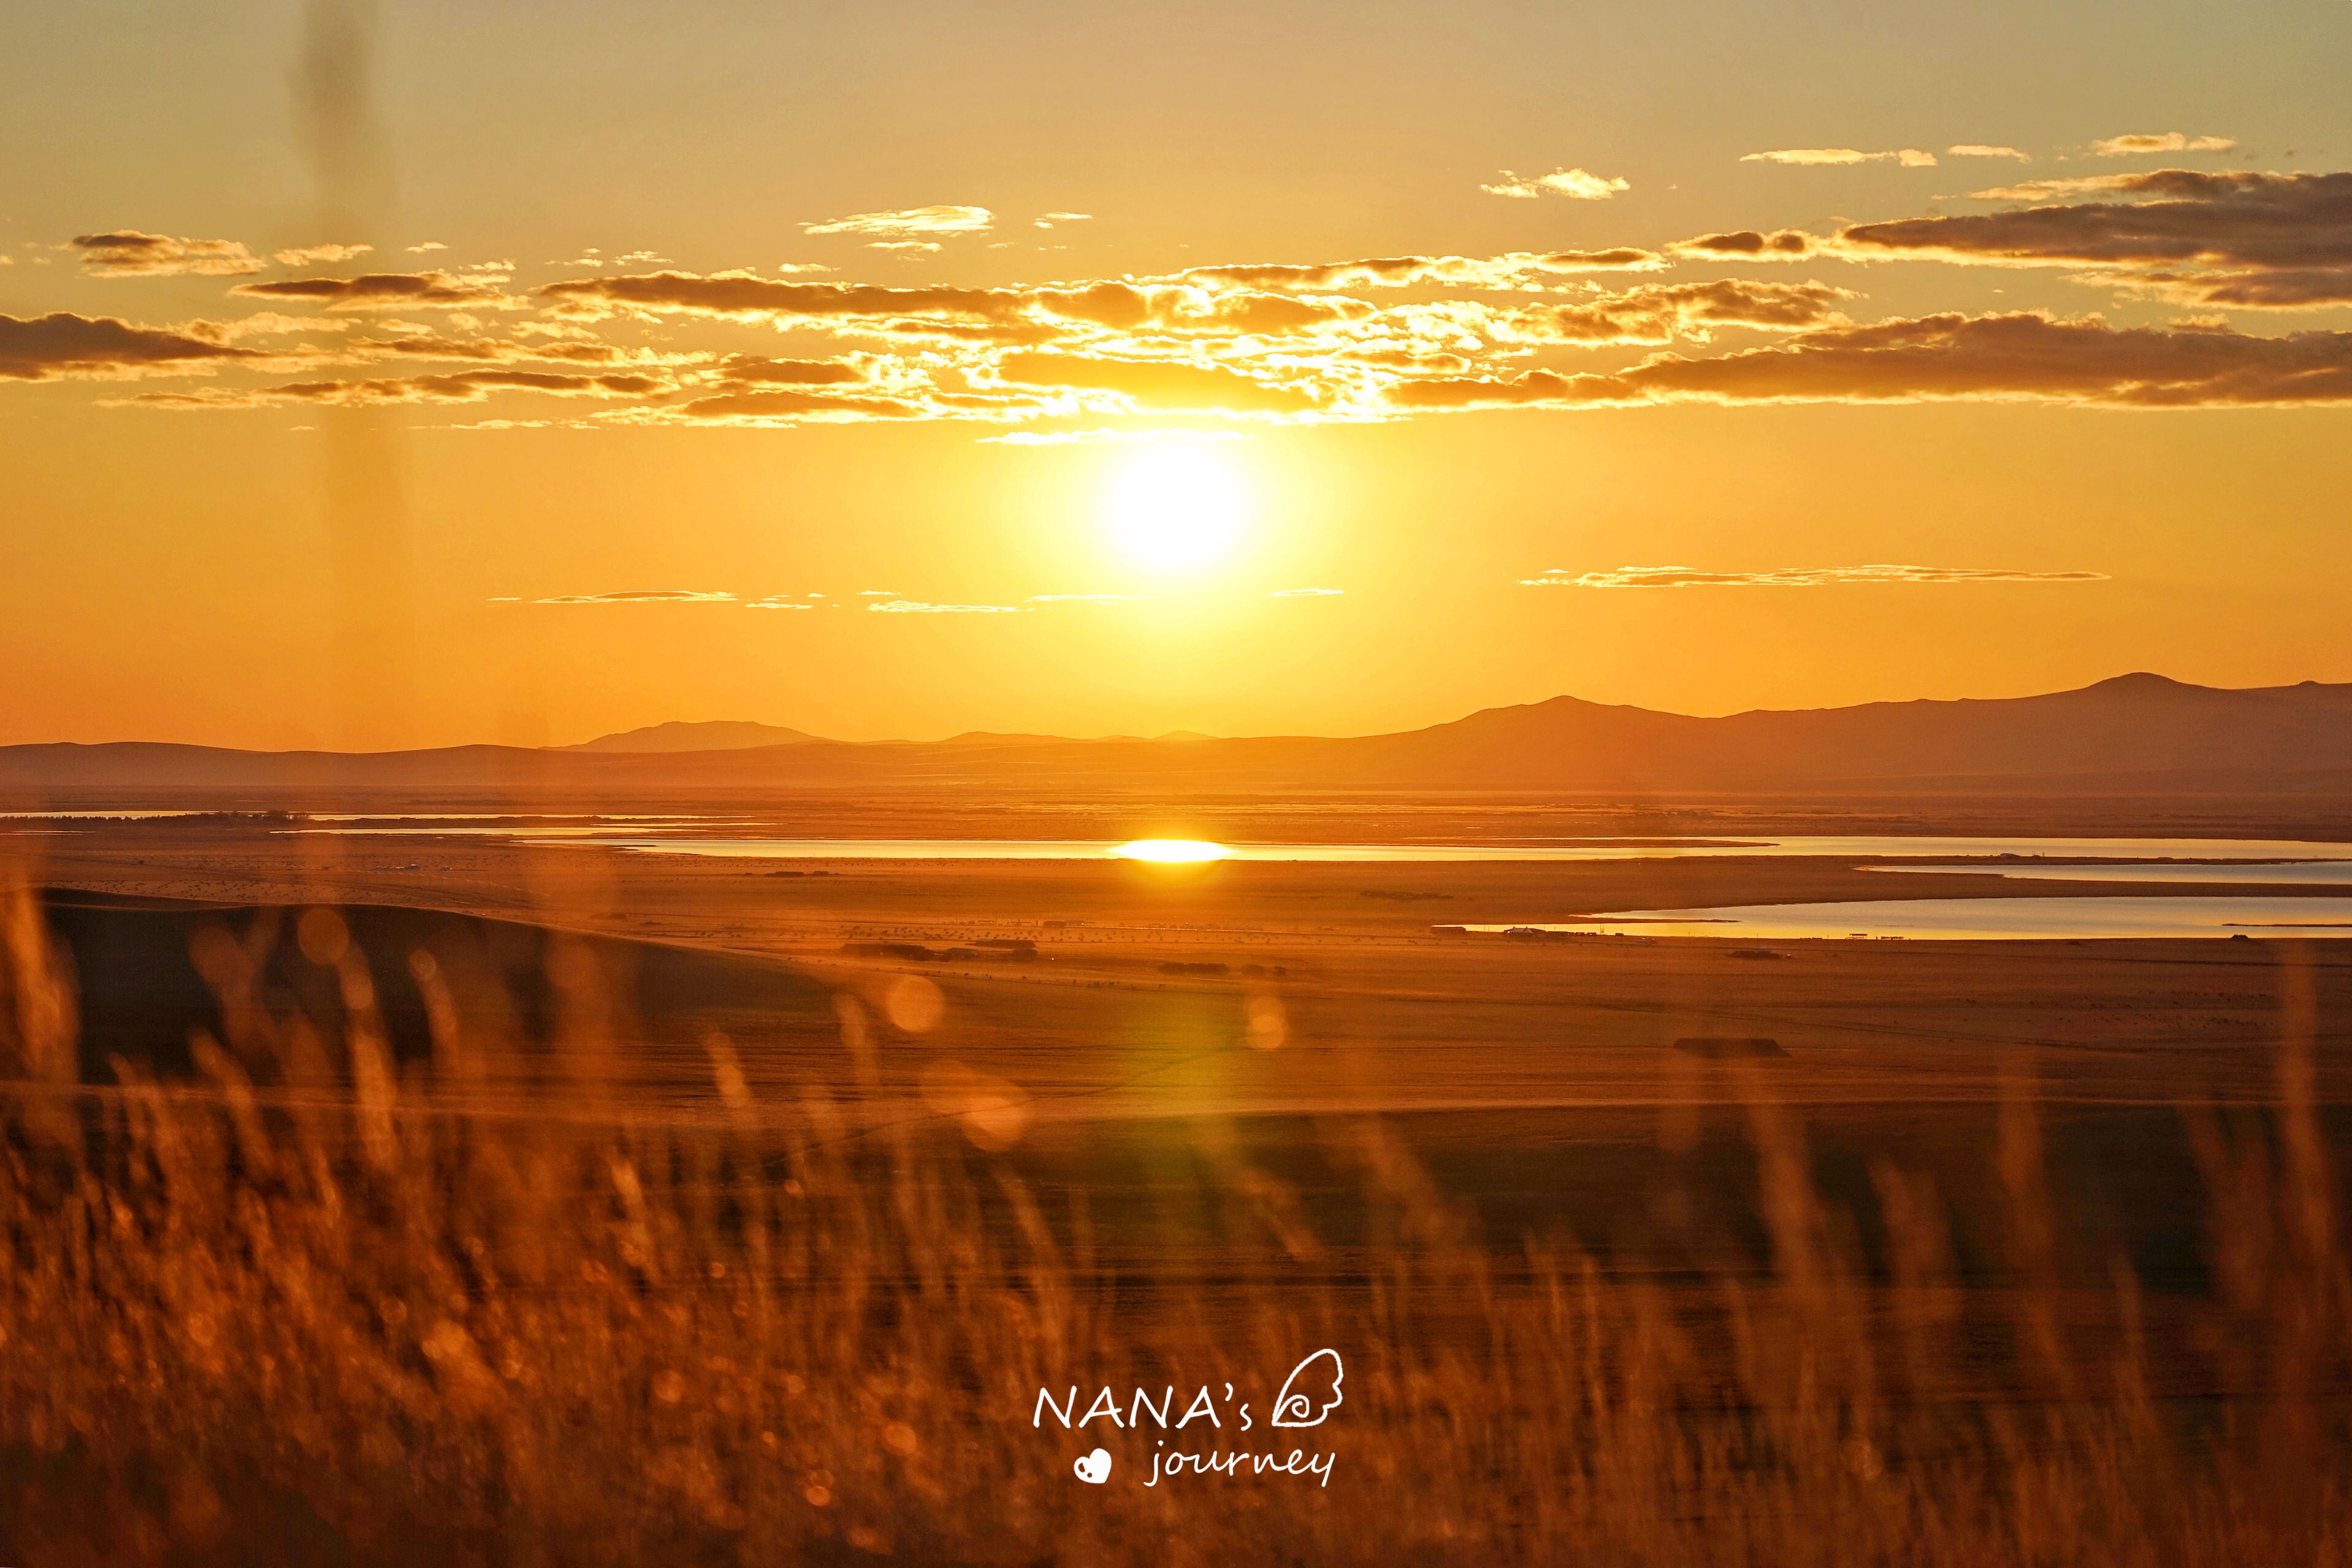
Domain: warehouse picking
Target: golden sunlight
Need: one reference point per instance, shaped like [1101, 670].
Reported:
[1176, 508]
[1170, 851]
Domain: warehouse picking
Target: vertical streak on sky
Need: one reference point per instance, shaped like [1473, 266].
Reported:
[364, 498]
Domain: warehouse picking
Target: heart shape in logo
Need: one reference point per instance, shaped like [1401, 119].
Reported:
[1095, 1468]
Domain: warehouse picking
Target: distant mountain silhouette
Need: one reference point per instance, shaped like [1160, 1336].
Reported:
[2136, 733]
[712, 735]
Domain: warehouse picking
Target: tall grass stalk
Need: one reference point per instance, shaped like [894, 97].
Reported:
[307, 1308]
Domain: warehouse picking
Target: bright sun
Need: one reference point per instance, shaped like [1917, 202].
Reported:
[1176, 508]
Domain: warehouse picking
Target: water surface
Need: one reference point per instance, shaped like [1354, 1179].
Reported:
[1991, 919]
[1596, 848]
[2305, 874]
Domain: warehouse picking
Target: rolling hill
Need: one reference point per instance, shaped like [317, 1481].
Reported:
[2141, 733]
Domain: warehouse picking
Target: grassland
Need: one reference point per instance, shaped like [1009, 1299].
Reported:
[724, 1249]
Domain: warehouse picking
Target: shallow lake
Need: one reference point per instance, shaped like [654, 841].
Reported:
[2306, 874]
[2012, 919]
[1511, 850]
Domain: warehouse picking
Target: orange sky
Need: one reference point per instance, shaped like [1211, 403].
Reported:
[1291, 367]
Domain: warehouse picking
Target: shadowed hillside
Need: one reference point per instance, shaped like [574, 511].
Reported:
[2133, 732]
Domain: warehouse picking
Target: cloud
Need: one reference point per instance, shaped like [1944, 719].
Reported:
[1050, 219]
[425, 344]
[2248, 240]
[1573, 184]
[1909, 157]
[60, 344]
[2041, 190]
[1950, 358]
[789, 405]
[2142, 144]
[274, 323]
[428, 245]
[908, 247]
[910, 607]
[778, 601]
[638, 596]
[1305, 592]
[1663, 312]
[909, 222]
[1400, 271]
[319, 254]
[391, 290]
[465, 386]
[128, 252]
[748, 297]
[1120, 335]
[1166, 385]
[747, 369]
[1978, 149]
[1009, 317]
[1797, 576]
[1750, 245]
[1310, 340]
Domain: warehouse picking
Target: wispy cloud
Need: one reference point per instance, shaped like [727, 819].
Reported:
[1795, 577]
[1979, 149]
[465, 386]
[2043, 190]
[1157, 384]
[750, 370]
[1402, 271]
[1050, 219]
[391, 291]
[1663, 312]
[637, 596]
[2014, 358]
[1573, 184]
[1909, 157]
[428, 245]
[912, 607]
[319, 254]
[787, 405]
[2144, 144]
[908, 222]
[128, 252]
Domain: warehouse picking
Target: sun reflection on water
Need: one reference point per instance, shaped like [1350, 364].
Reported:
[1170, 851]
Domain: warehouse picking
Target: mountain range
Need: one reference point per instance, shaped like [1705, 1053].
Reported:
[710, 734]
[2137, 732]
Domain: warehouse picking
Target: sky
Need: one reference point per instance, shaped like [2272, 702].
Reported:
[422, 373]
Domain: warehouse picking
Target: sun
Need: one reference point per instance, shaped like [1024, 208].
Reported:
[1177, 507]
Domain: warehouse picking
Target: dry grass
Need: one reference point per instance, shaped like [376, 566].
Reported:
[312, 1310]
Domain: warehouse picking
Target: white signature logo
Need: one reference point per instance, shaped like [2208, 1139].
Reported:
[1308, 1396]
[1300, 1405]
